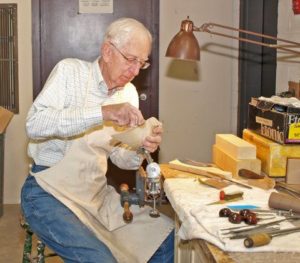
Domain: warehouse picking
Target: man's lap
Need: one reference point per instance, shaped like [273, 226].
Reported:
[59, 228]
[65, 234]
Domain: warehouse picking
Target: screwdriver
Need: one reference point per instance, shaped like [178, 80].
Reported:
[263, 238]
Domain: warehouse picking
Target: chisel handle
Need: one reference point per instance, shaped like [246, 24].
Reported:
[257, 240]
[249, 174]
[127, 215]
[125, 202]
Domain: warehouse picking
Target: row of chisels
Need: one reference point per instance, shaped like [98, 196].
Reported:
[262, 234]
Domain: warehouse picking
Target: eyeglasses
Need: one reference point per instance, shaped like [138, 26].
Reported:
[132, 61]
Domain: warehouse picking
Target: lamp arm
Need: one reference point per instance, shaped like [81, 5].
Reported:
[206, 27]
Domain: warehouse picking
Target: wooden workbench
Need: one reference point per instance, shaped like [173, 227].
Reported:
[201, 251]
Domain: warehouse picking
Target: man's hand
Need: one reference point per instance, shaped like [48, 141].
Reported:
[123, 114]
[152, 142]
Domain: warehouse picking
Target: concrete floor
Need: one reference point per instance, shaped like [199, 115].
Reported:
[12, 235]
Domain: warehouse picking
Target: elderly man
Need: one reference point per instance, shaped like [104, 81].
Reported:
[65, 198]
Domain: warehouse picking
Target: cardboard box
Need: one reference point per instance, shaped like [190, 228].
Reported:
[274, 156]
[294, 88]
[293, 171]
[265, 119]
[5, 117]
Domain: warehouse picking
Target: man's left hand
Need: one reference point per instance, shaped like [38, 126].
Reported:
[152, 142]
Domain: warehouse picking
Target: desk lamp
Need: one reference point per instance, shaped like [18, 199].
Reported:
[184, 44]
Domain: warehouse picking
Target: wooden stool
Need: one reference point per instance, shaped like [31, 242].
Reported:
[27, 250]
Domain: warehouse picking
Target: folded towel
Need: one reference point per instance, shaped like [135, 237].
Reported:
[199, 220]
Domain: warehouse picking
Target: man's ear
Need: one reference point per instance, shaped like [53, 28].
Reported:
[106, 51]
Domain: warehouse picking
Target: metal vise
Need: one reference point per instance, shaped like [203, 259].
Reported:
[148, 188]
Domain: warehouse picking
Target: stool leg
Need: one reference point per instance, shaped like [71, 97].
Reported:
[27, 247]
[40, 252]
[27, 250]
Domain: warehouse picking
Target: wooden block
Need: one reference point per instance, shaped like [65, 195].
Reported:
[295, 88]
[235, 146]
[233, 165]
[273, 155]
[293, 171]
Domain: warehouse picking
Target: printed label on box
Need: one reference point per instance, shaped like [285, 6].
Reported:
[264, 121]
[273, 134]
[294, 131]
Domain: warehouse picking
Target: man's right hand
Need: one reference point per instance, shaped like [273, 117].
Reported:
[123, 114]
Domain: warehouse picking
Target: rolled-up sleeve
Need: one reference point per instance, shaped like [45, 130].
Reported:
[125, 158]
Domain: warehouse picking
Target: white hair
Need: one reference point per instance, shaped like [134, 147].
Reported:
[121, 31]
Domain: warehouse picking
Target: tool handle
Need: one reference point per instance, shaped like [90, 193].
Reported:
[284, 202]
[127, 215]
[230, 196]
[125, 202]
[257, 240]
[249, 174]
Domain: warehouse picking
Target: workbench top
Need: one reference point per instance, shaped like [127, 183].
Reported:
[212, 254]
[203, 249]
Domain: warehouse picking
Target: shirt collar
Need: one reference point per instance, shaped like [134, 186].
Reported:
[99, 78]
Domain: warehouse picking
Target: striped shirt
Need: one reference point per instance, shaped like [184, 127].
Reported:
[70, 104]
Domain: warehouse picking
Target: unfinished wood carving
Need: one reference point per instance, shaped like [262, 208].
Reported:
[134, 137]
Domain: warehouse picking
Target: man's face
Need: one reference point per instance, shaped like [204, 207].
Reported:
[124, 63]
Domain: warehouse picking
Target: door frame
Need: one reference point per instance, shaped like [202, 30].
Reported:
[257, 65]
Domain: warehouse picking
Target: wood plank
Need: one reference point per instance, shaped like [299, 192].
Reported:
[168, 172]
[204, 171]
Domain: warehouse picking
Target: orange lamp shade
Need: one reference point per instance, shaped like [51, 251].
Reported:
[184, 44]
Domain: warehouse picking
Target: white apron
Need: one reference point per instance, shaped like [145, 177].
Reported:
[79, 182]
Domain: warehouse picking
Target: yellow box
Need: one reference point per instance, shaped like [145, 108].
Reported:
[273, 155]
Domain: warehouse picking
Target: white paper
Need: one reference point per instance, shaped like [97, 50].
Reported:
[95, 6]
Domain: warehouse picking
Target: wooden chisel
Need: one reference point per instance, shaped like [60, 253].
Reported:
[262, 239]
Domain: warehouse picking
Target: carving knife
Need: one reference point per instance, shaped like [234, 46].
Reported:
[207, 173]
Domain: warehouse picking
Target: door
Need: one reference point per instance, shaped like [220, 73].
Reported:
[60, 31]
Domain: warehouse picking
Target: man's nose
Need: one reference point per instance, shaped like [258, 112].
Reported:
[135, 68]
